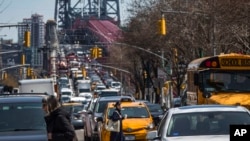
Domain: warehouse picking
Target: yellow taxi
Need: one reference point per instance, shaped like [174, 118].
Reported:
[135, 127]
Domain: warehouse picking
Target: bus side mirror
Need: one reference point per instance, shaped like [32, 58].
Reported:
[206, 95]
[196, 78]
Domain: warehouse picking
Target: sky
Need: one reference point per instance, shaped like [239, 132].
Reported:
[13, 11]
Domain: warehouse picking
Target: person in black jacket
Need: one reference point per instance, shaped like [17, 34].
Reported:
[46, 114]
[117, 116]
[58, 122]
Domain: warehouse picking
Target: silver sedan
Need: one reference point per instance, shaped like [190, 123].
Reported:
[199, 123]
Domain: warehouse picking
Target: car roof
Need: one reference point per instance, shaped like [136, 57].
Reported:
[17, 98]
[207, 108]
[108, 98]
[72, 104]
[128, 104]
[110, 90]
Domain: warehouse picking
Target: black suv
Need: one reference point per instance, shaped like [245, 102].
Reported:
[95, 110]
[22, 118]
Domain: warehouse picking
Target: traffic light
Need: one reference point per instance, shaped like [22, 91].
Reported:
[31, 72]
[94, 52]
[175, 52]
[4, 75]
[28, 71]
[145, 74]
[162, 26]
[84, 73]
[27, 39]
[99, 52]
[23, 59]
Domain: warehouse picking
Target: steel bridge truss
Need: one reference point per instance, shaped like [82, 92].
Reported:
[67, 11]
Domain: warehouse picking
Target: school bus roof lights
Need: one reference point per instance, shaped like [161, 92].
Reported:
[212, 64]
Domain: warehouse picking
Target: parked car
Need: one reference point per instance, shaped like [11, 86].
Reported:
[135, 127]
[95, 110]
[75, 109]
[156, 111]
[22, 117]
[199, 123]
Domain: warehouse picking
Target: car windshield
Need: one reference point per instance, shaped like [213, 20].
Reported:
[100, 106]
[65, 98]
[21, 117]
[84, 90]
[66, 93]
[132, 112]
[108, 93]
[205, 123]
[78, 108]
[155, 108]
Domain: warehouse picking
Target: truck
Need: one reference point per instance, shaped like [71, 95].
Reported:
[43, 85]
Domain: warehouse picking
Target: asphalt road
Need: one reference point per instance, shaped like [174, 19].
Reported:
[79, 134]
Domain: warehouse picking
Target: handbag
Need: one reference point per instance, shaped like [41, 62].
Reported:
[113, 126]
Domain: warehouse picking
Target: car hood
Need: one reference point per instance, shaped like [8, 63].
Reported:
[231, 99]
[199, 138]
[136, 123]
[156, 114]
[38, 135]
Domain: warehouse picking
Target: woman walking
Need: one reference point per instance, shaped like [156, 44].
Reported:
[58, 122]
[117, 116]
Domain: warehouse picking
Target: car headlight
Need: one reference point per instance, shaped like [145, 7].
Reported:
[95, 118]
[160, 116]
[151, 126]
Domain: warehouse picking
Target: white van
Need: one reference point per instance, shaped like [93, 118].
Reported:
[37, 86]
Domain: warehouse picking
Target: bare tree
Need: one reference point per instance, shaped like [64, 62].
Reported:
[194, 29]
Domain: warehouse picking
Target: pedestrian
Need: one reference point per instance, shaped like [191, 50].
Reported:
[96, 95]
[46, 114]
[58, 122]
[117, 116]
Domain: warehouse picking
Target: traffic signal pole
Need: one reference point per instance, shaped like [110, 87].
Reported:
[27, 43]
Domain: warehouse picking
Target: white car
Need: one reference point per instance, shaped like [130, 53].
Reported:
[116, 85]
[199, 123]
[79, 99]
[87, 96]
[67, 92]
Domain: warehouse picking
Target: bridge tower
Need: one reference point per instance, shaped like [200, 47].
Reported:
[67, 11]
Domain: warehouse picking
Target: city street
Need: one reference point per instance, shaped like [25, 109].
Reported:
[79, 134]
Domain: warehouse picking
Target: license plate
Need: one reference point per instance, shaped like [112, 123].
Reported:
[129, 137]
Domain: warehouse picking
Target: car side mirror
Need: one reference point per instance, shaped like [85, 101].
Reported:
[90, 112]
[152, 135]
[99, 119]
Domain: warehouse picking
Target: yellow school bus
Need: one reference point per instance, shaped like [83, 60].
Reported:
[222, 79]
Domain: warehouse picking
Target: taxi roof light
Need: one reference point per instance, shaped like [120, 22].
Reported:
[126, 100]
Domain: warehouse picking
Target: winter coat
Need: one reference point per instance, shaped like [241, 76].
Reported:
[58, 123]
[117, 136]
